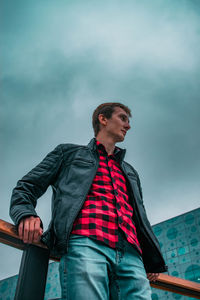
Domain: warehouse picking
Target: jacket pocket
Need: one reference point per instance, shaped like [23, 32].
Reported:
[132, 176]
[79, 161]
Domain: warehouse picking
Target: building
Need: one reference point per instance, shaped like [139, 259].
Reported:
[179, 238]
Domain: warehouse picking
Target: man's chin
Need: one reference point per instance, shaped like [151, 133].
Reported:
[120, 139]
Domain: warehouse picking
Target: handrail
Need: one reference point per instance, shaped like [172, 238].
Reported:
[177, 285]
[9, 236]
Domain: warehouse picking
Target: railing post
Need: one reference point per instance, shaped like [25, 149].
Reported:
[32, 274]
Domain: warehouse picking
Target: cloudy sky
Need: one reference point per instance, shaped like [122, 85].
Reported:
[60, 59]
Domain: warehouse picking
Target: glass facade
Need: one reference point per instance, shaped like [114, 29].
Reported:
[179, 238]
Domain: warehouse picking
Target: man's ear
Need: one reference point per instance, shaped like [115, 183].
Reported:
[102, 119]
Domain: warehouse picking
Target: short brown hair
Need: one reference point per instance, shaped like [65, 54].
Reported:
[107, 110]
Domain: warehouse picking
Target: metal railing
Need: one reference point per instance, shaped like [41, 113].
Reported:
[34, 266]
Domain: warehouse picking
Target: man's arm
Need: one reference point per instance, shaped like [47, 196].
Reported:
[28, 190]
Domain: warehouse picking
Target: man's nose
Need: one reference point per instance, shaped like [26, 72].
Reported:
[127, 126]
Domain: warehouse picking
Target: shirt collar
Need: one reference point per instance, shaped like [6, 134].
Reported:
[118, 152]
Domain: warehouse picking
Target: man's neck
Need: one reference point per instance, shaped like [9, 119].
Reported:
[107, 142]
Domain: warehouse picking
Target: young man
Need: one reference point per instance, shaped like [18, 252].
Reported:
[99, 225]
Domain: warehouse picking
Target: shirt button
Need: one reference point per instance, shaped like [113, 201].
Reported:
[120, 220]
[115, 193]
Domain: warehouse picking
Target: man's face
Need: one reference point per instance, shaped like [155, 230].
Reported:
[117, 125]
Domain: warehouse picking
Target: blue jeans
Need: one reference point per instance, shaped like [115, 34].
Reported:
[92, 270]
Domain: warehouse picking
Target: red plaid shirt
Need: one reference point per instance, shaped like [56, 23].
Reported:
[107, 207]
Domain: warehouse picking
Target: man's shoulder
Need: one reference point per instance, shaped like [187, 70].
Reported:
[66, 149]
[66, 146]
[69, 147]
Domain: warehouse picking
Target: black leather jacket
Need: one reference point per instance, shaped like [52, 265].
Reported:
[70, 170]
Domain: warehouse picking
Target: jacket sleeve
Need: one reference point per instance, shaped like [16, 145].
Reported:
[33, 185]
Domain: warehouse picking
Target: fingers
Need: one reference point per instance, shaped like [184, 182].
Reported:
[152, 276]
[29, 229]
[20, 229]
[38, 231]
[26, 231]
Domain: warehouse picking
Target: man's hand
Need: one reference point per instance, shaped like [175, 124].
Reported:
[152, 276]
[29, 229]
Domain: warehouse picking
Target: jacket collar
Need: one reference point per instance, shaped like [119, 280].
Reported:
[120, 153]
[92, 144]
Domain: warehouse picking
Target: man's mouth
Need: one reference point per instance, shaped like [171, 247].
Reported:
[124, 132]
